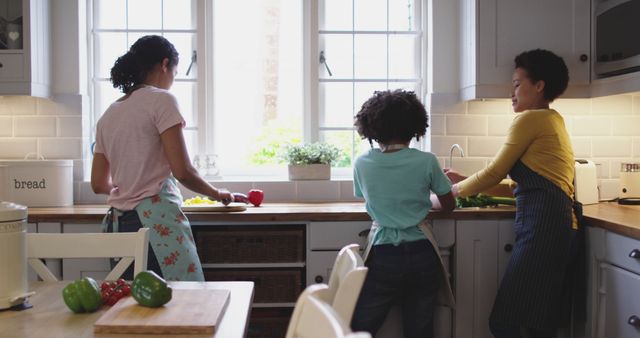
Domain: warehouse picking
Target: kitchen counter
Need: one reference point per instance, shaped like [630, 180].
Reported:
[622, 219]
[267, 212]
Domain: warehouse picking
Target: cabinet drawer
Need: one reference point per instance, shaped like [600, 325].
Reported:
[619, 303]
[11, 66]
[228, 245]
[335, 235]
[619, 250]
[271, 286]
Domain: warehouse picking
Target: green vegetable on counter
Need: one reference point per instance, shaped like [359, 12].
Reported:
[150, 290]
[82, 295]
[481, 200]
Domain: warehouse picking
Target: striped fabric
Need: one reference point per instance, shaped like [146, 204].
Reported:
[531, 291]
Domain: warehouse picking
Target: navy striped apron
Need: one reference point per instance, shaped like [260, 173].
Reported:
[531, 291]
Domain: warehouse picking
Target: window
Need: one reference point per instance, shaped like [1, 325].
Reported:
[266, 72]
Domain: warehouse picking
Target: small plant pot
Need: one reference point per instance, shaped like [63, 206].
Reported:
[309, 172]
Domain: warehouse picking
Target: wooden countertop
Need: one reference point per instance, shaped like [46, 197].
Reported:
[268, 212]
[622, 219]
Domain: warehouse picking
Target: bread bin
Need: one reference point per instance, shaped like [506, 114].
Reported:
[629, 192]
[37, 183]
[13, 255]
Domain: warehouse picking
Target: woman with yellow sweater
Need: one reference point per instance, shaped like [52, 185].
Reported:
[538, 156]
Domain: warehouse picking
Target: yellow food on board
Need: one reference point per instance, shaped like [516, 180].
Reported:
[198, 200]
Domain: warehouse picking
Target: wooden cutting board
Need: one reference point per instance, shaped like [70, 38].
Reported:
[188, 312]
[217, 207]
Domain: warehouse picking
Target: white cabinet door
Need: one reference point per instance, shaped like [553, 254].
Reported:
[495, 31]
[506, 240]
[476, 277]
[619, 304]
[25, 65]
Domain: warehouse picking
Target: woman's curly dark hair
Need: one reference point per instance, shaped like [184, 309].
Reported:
[392, 115]
[131, 69]
[544, 65]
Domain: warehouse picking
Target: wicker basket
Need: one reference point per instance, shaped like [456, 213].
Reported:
[251, 246]
[271, 286]
[269, 322]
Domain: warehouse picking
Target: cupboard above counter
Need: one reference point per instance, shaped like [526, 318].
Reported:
[25, 48]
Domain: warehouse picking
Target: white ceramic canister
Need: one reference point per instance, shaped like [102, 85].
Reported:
[13, 254]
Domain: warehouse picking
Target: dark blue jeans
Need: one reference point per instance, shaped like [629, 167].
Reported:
[130, 222]
[408, 275]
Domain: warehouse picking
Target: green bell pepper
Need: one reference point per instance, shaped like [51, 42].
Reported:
[82, 295]
[150, 290]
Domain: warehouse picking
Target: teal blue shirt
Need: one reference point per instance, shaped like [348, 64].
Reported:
[396, 187]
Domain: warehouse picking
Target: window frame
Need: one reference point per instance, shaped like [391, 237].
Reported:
[311, 117]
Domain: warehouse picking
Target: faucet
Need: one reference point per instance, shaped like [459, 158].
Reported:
[453, 147]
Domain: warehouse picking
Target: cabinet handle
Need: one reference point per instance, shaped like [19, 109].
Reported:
[508, 247]
[584, 57]
[319, 279]
[1, 65]
[635, 253]
[634, 321]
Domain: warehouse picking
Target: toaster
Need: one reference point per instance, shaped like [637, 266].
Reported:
[629, 192]
[586, 182]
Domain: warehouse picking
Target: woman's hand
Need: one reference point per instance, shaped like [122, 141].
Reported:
[225, 196]
[453, 175]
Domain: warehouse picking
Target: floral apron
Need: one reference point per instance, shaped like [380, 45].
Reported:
[170, 233]
[445, 295]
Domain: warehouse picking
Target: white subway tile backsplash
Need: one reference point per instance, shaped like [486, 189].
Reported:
[48, 107]
[636, 105]
[436, 124]
[591, 126]
[465, 125]
[78, 170]
[346, 192]
[441, 145]
[572, 106]
[457, 108]
[484, 146]
[6, 126]
[490, 107]
[36, 126]
[499, 125]
[612, 105]
[581, 147]
[602, 168]
[17, 148]
[20, 105]
[466, 166]
[626, 126]
[636, 148]
[277, 191]
[70, 126]
[60, 148]
[317, 191]
[611, 147]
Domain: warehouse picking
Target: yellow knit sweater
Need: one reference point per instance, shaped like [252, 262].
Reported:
[540, 140]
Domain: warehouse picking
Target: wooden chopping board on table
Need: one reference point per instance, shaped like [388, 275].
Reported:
[191, 311]
[217, 207]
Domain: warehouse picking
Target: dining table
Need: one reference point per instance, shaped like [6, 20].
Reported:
[50, 317]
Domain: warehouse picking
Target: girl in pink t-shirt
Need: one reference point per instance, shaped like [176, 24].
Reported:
[140, 154]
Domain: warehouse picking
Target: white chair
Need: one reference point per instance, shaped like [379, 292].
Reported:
[131, 246]
[314, 318]
[345, 282]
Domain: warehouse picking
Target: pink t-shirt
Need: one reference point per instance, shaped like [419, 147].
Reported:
[128, 134]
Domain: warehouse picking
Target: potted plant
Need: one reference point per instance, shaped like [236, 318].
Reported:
[310, 161]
